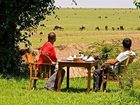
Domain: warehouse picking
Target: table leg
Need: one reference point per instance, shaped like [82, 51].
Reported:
[59, 78]
[68, 77]
[89, 80]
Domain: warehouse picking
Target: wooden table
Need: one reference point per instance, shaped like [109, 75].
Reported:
[68, 64]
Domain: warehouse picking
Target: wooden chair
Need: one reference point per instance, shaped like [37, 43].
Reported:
[33, 67]
[123, 67]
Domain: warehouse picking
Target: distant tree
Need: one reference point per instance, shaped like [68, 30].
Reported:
[16, 16]
[137, 4]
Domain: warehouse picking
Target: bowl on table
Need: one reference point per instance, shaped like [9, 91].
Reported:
[78, 59]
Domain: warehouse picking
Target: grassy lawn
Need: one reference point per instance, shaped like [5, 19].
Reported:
[13, 92]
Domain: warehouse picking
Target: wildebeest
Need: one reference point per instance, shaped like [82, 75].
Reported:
[58, 27]
[121, 28]
[106, 28]
[97, 28]
[118, 28]
[82, 28]
[99, 17]
[113, 28]
[43, 25]
[41, 33]
[106, 17]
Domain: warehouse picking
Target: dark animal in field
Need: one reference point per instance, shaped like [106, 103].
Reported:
[113, 28]
[99, 17]
[82, 28]
[106, 28]
[32, 33]
[43, 25]
[26, 33]
[29, 35]
[97, 28]
[41, 33]
[106, 17]
[58, 27]
[138, 28]
[118, 28]
[56, 16]
[121, 28]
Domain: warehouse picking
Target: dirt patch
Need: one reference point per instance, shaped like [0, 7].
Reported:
[63, 51]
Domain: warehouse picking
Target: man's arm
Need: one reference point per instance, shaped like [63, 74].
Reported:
[109, 62]
[48, 59]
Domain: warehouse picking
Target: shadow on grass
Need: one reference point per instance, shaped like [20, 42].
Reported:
[78, 90]
[74, 90]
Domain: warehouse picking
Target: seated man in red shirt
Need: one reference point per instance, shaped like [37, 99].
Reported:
[48, 55]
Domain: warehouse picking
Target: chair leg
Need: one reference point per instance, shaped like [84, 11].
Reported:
[30, 84]
[121, 85]
[104, 86]
[30, 81]
[120, 82]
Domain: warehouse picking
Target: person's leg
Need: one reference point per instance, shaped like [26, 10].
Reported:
[62, 77]
[97, 76]
[52, 81]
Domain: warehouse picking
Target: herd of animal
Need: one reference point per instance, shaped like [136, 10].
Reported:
[82, 27]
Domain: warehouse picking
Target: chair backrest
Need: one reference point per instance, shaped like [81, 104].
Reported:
[30, 58]
[126, 62]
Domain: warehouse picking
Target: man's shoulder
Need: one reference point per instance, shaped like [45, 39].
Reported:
[47, 44]
[129, 53]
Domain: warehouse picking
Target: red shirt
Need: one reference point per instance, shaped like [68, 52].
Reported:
[49, 50]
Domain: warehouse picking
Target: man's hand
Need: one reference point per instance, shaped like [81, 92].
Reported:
[53, 63]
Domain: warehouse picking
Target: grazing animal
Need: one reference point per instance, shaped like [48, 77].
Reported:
[106, 17]
[97, 28]
[106, 28]
[58, 27]
[82, 28]
[43, 25]
[121, 28]
[99, 17]
[41, 33]
[113, 28]
[118, 28]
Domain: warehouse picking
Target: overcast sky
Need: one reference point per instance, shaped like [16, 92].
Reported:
[96, 3]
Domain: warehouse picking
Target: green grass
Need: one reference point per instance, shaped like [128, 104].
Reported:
[72, 19]
[13, 92]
